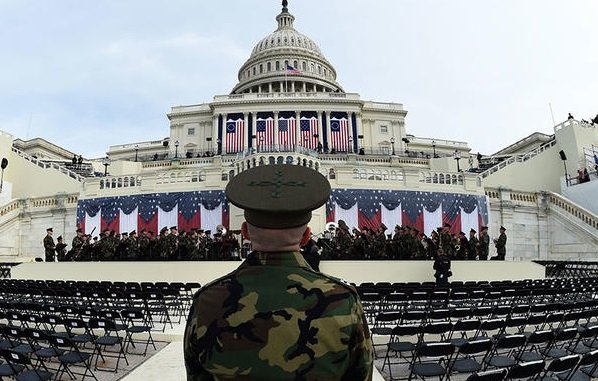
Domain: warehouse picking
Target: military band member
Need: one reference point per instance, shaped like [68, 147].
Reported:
[76, 245]
[473, 245]
[484, 243]
[500, 243]
[49, 245]
[275, 318]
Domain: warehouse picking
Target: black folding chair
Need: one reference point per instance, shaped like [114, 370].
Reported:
[109, 337]
[137, 325]
[22, 369]
[72, 357]
[432, 360]
[471, 355]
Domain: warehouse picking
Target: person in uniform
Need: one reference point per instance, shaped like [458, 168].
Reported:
[60, 249]
[484, 243]
[500, 243]
[473, 245]
[275, 318]
[76, 245]
[49, 246]
[442, 268]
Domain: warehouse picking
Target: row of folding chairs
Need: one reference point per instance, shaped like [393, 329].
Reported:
[161, 309]
[441, 360]
[536, 315]
[409, 344]
[374, 303]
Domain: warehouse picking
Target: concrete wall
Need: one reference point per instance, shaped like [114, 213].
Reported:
[204, 272]
[30, 180]
[539, 173]
[537, 229]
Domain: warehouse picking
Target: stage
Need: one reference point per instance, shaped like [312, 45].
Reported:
[204, 272]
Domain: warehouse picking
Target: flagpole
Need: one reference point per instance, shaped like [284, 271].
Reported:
[286, 84]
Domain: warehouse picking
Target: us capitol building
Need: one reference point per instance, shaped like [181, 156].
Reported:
[288, 108]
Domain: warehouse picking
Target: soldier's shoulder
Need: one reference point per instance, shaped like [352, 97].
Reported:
[218, 282]
[341, 283]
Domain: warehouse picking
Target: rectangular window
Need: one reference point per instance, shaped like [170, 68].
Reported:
[191, 131]
[384, 129]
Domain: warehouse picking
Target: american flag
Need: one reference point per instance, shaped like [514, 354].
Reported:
[234, 135]
[292, 70]
[264, 128]
[339, 134]
[286, 132]
[309, 128]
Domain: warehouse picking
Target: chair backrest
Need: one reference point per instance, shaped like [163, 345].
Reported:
[105, 324]
[525, 370]
[510, 341]
[13, 357]
[564, 363]
[436, 350]
[476, 346]
[61, 341]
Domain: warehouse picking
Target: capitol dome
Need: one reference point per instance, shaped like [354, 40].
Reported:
[286, 61]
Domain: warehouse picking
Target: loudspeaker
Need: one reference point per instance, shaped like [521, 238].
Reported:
[4, 163]
[563, 156]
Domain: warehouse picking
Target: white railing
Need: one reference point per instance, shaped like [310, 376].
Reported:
[48, 164]
[518, 159]
[573, 209]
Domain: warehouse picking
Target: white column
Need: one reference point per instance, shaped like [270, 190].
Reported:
[245, 129]
[320, 134]
[214, 131]
[297, 128]
[275, 130]
[293, 86]
[359, 128]
[270, 87]
[305, 87]
[223, 142]
[351, 137]
[328, 131]
[253, 129]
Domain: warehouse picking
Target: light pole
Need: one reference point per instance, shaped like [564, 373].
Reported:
[3, 166]
[261, 142]
[392, 142]
[219, 146]
[306, 141]
[176, 149]
[136, 152]
[434, 148]
[106, 163]
[457, 156]
[350, 149]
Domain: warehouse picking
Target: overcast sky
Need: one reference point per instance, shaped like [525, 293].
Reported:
[90, 74]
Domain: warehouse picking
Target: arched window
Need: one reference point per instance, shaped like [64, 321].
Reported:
[331, 174]
[254, 70]
[277, 65]
[312, 68]
[269, 66]
[261, 68]
[304, 66]
[295, 64]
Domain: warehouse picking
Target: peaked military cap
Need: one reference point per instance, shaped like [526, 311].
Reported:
[502, 228]
[472, 230]
[278, 196]
[50, 230]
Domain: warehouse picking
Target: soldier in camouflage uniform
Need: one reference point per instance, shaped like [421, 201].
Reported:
[473, 245]
[484, 243]
[76, 246]
[446, 241]
[342, 241]
[275, 318]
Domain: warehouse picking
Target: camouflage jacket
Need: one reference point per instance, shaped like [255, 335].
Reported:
[274, 318]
